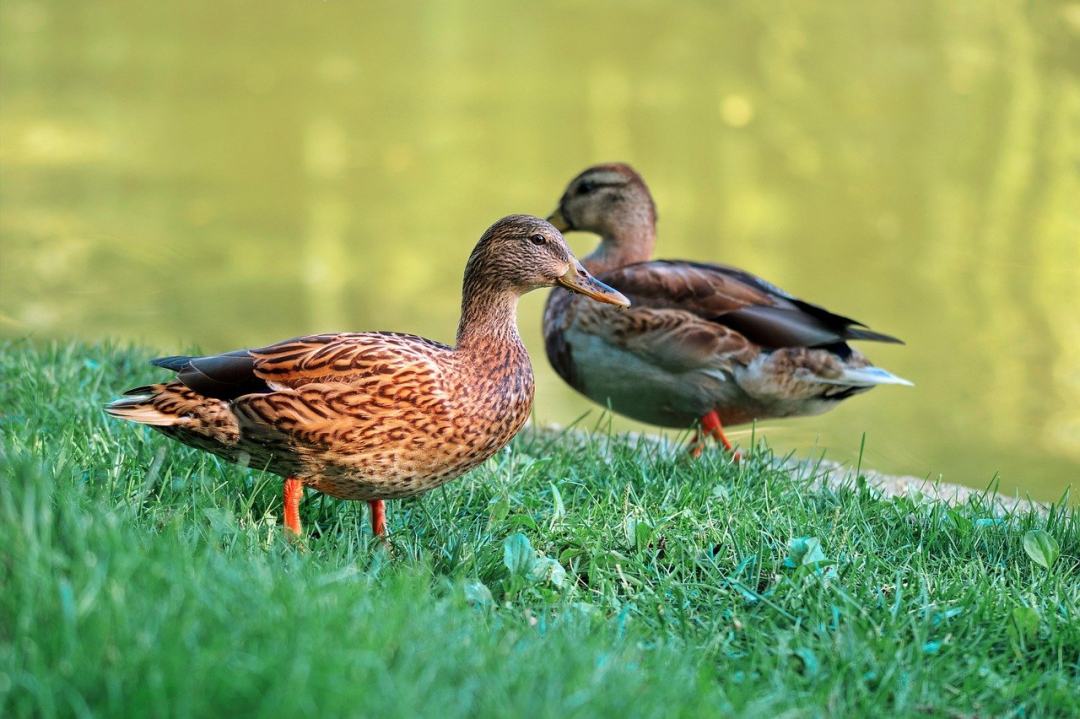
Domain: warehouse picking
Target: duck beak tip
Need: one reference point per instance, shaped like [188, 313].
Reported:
[580, 281]
[558, 221]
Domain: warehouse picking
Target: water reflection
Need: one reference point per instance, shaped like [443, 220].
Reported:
[210, 174]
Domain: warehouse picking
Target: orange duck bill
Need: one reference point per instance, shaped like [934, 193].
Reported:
[577, 279]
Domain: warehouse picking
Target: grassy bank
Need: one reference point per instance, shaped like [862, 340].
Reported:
[141, 578]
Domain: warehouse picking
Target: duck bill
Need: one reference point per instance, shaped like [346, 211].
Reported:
[559, 221]
[577, 279]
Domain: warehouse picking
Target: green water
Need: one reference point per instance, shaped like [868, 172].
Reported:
[227, 174]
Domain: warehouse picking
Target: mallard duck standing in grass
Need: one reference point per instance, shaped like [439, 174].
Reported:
[375, 415]
[702, 342]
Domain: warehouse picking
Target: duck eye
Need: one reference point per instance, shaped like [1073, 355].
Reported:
[537, 239]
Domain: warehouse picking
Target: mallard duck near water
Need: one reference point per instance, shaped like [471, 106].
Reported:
[375, 415]
[702, 342]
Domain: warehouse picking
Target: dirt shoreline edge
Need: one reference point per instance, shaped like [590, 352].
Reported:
[832, 474]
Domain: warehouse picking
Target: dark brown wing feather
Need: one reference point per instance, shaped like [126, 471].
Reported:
[763, 313]
[225, 376]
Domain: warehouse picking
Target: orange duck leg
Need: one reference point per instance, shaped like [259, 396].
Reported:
[710, 426]
[294, 491]
[378, 517]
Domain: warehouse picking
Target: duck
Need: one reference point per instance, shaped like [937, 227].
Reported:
[703, 345]
[374, 416]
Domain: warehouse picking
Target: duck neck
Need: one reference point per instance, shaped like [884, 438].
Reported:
[488, 319]
[624, 245]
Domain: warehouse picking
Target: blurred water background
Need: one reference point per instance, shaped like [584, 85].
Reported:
[228, 174]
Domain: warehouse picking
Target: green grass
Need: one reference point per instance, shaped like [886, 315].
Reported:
[141, 578]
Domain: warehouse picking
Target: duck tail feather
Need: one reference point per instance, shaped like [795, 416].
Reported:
[142, 412]
[138, 405]
[174, 363]
[867, 377]
[859, 333]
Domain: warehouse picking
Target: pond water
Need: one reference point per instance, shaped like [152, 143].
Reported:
[224, 175]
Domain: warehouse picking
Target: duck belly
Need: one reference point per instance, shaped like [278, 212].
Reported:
[400, 450]
[641, 390]
[394, 474]
[395, 459]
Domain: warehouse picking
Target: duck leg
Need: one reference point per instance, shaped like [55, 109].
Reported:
[294, 491]
[710, 424]
[378, 517]
[697, 444]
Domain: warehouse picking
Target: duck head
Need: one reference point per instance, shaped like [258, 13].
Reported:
[604, 199]
[521, 253]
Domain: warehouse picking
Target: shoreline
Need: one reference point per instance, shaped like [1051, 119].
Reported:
[835, 475]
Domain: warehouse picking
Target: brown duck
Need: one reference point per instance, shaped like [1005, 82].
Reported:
[375, 415]
[702, 343]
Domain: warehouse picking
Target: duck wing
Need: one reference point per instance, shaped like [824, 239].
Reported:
[670, 338]
[341, 358]
[734, 299]
[689, 315]
[314, 393]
